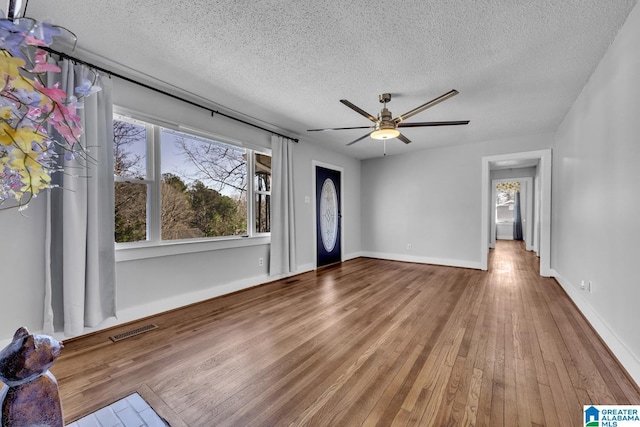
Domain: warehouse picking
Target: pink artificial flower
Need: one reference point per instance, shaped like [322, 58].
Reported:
[42, 65]
[54, 93]
[32, 41]
[65, 120]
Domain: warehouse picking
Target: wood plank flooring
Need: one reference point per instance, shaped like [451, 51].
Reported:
[368, 342]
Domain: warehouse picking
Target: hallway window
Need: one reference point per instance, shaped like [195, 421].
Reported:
[505, 200]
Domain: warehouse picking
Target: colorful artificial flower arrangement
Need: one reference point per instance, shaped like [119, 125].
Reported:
[30, 110]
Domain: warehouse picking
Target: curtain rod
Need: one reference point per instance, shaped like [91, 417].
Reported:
[130, 80]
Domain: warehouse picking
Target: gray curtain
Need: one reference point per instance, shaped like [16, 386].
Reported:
[80, 277]
[517, 217]
[283, 238]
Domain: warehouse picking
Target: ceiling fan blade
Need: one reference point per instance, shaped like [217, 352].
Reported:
[355, 127]
[359, 139]
[403, 138]
[420, 124]
[359, 110]
[426, 105]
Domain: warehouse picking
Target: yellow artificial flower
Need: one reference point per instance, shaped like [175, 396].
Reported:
[35, 180]
[6, 134]
[23, 159]
[10, 65]
[5, 112]
[20, 82]
[22, 137]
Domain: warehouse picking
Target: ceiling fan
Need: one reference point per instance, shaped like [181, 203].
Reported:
[386, 127]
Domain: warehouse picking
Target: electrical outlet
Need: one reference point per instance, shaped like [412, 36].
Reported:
[585, 285]
[409, 246]
[260, 262]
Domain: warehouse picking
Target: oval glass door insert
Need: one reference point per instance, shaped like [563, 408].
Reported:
[328, 215]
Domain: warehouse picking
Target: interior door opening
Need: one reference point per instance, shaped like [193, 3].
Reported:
[514, 215]
[540, 197]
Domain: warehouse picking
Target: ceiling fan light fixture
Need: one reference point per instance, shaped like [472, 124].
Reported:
[385, 133]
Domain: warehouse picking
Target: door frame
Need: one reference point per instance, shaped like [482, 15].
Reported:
[314, 164]
[545, 159]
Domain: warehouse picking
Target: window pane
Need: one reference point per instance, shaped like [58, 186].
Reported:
[262, 177]
[130, 212]
[203, 188]
[263, 213]
[129, 149]
[504, 207]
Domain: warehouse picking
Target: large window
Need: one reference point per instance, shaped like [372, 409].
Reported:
[172, 185]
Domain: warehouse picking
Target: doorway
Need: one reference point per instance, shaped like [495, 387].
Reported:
[543, 193]
[328, 214]
[504, 209]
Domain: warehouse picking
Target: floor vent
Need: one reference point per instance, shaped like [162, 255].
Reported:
[288, 282]
[133, 332]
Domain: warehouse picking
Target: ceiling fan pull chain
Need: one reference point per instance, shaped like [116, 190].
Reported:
[384, 150]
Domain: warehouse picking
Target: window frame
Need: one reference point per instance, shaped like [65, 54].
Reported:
[154, 246]
[255, 192]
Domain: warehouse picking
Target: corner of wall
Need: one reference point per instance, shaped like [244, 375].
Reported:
[617, 347]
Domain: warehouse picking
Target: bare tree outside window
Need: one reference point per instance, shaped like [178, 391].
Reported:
[222, 167]
[203, 185]
[129, 141]
[215, 179]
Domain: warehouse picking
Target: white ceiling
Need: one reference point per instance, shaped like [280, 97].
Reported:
[518, 65]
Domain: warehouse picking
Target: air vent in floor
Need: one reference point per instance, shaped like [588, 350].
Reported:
[133, 332]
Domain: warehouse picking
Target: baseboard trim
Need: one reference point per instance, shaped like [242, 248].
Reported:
[352, 255]
[177, 301]
[629, 361]
[423, 260]
[139, 312]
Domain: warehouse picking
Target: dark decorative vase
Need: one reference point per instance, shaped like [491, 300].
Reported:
[30, 397]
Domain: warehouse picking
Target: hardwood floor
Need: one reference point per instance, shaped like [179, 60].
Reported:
[368, 342]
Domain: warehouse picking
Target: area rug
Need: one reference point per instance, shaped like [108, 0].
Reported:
[131, 411]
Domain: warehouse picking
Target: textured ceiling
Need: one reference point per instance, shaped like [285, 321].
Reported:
[518, 65]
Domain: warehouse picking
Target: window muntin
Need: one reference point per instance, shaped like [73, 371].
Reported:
[200, 189]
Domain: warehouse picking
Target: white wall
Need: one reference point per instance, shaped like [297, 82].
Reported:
[596, 200]
[22, 268]
[431, 200]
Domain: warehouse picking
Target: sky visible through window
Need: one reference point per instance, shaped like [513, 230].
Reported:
[174, 160]
[218, 166]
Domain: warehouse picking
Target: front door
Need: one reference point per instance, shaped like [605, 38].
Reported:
[328, 216]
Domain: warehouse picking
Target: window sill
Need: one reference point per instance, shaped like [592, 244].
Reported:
[143, 250]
